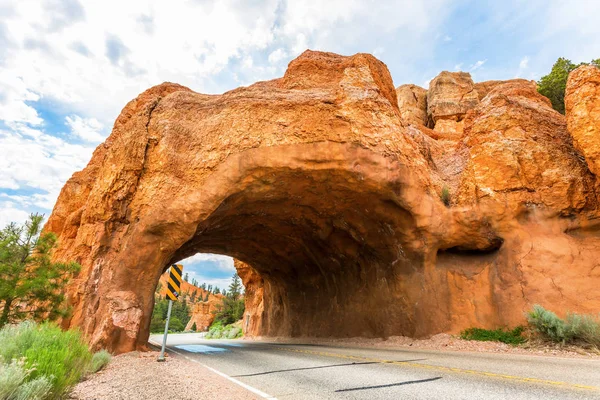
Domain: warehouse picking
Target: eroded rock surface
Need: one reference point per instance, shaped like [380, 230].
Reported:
[352, 221]
[450, 96]
[582, 103]
[412, 102]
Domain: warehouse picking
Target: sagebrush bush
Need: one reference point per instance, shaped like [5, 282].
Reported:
[14, 387]
[514, 336]
[585, 328]
[100, 360]
[548, 324]
[47, 355]
[576, 328]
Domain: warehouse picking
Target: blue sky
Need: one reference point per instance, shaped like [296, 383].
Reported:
[67, 67]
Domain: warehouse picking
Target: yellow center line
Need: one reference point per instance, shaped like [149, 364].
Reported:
[445, 369]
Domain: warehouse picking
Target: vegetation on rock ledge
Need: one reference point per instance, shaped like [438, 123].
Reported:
[554, 84]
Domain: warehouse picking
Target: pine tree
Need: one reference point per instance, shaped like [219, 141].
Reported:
[31, 285]
[232, 308]
[554, 84]
[235, 287]
[186, 277]
[217, 290]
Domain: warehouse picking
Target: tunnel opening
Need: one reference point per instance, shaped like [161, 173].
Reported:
[207, 280]
[338, 236]
[320, 249]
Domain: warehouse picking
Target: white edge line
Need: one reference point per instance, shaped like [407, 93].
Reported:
[242, 384]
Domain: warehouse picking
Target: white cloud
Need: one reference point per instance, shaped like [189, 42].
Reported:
[14, 96]
[9, 213]
[221, 283]
[224, 263]
[447, 38]
[35, 160]
[277, 56]
[458, 67]
[87, 129]
[477, 65]
[524, 63]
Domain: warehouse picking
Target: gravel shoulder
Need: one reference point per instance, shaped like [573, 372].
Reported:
[137, 375]
[447, 342]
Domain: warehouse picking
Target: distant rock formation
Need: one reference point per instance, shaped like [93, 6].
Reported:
[202, 312]
[361, 210]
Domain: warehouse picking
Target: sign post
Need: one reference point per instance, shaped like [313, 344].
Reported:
[173, 289]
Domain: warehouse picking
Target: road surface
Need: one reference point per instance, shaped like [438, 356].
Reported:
[293, 371]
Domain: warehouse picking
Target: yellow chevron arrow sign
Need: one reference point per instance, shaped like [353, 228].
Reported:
[174, 282]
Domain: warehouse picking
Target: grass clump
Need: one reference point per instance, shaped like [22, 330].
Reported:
[513, 337]
[445, 196]
[575, 329]
[43, 361]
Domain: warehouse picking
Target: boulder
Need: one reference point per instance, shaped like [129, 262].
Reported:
[450, 96]
[412, 102]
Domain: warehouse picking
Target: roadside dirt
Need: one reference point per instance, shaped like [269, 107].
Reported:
[137, 375]
[448, 342]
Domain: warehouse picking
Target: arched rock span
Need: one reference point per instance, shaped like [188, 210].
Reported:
[320, 184]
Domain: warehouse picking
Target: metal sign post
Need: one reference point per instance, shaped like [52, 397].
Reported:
[173, 289]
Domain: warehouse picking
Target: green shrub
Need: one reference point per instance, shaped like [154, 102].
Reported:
[584, 328]
[48, 356]
[445, 196]
[218, 331]
[548, 324]
[99, 360]
[513, 337]
[14, 387]
[576, 328]
[554, 84]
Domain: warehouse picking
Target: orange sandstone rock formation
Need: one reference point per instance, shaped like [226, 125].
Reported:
[582, 103]
[331, 193]
[202, 312]
[253, 298]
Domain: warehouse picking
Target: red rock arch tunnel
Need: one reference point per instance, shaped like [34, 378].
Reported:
[311, 179]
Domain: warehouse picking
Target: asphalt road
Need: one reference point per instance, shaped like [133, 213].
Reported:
[292, 371]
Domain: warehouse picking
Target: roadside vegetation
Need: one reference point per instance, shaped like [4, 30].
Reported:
[219, 331]
[576, 329]
[31, 284]
[37, 361]
[41, 361]
[180, 315]
[227, 323]
[513, 337]
[544, 326]
[554, 84]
